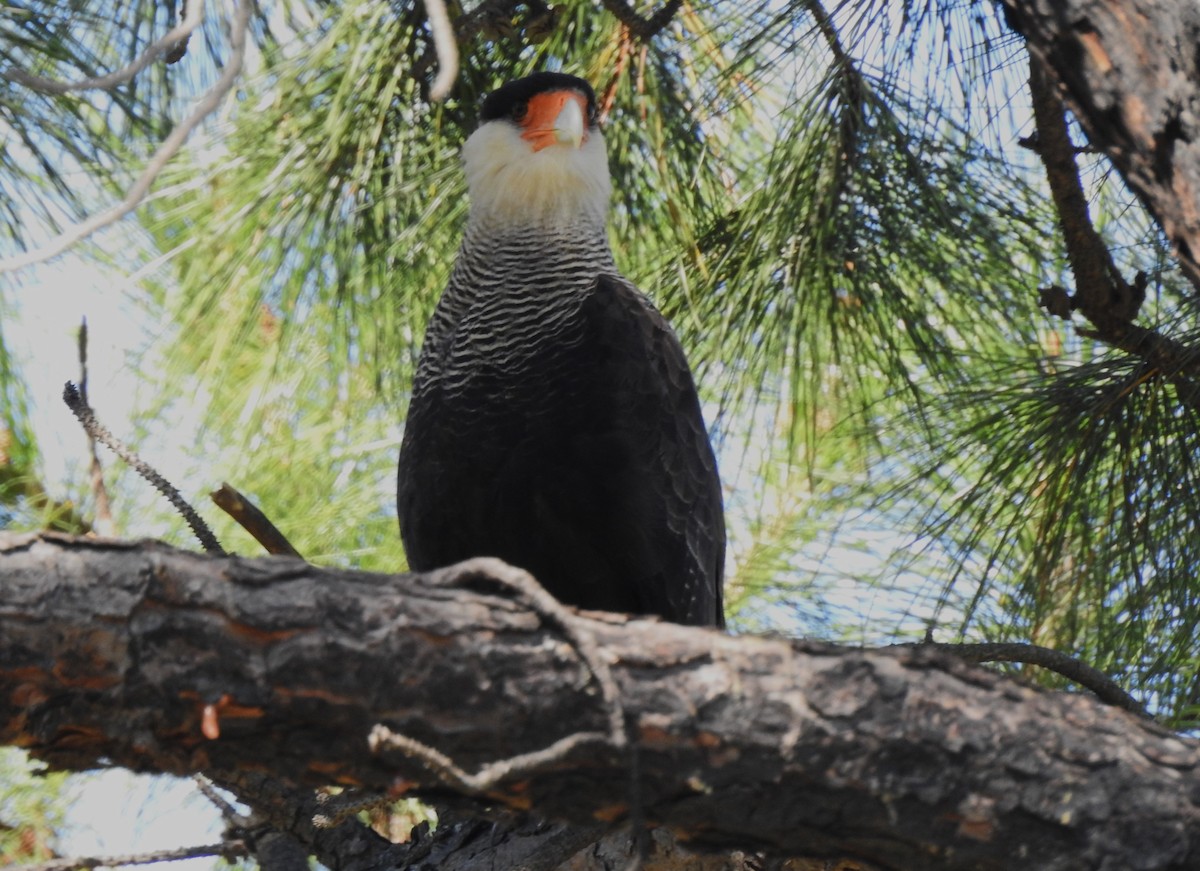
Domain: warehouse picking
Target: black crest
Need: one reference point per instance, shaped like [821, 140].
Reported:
[501, 102]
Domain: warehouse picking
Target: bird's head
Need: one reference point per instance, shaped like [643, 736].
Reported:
[538, 155]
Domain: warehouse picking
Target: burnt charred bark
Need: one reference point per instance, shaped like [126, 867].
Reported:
[140, 655]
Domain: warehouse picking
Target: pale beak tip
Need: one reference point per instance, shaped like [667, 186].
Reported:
[568, 126]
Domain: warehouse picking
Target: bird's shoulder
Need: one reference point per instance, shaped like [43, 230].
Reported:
[635, 336]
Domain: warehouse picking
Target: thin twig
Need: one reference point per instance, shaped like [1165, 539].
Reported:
[87, 418]
[208, 789]
[169, 148]
[193, 16]
[491, 774]
[103, 523]
[1088, 677]
[446, 47]
[609, 95]
[251, 518]
[226, 848]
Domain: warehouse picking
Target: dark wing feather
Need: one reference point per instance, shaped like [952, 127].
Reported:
[568, 440]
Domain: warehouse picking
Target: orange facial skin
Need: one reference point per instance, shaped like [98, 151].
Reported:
[542, 124]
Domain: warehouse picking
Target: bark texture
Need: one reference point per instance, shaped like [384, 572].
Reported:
[1130, 70]
[140, 655]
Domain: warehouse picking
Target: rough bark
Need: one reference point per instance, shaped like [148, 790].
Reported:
[128, 653]
[1130, 70]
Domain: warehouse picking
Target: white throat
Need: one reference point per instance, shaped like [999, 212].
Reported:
[511, 185]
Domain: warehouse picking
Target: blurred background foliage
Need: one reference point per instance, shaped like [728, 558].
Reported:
[829, 202]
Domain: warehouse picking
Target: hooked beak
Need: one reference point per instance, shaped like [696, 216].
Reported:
[555, 118]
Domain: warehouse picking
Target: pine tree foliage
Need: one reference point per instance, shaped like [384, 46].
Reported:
[829, 202]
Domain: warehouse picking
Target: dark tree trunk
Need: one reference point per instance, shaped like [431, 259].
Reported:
[131, 653]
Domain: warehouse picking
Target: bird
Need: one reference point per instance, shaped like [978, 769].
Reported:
[554, 421]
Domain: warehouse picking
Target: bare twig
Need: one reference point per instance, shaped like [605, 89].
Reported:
[446, 46]
[251, 518]
[169, 148]
[226, 848]
[490, 775]
[193, 16]
[643, 28]
[87, 417]
[208, 789]
[103, 524]
[1105, 688]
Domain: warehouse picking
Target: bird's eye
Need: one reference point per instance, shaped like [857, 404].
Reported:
[592, 115]
[519, 110]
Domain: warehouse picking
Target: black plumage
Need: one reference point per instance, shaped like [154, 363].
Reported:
[555, 423]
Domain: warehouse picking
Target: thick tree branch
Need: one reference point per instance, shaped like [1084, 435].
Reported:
[906, 759]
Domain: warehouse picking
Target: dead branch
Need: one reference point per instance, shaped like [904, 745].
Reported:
[528, 591]
[95, 430]
[228, 812]
[493, 774]
[103, 523]
[251, 518]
